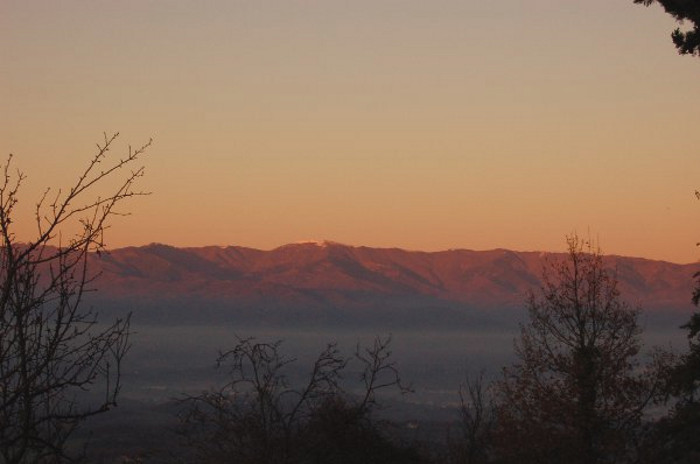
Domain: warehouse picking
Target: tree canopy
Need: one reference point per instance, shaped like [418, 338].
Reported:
[687, 41]
[578, 392]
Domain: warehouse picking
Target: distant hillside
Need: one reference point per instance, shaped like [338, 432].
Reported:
[325, 282]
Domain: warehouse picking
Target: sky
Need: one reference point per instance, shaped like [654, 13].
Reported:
[425, 125]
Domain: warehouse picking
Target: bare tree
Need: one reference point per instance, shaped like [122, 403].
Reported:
[379, 372]
[253, 416]
[579, 391]
[53, 352]
[258, 417]
[471, 445]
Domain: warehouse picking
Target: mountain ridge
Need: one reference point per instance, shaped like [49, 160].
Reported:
[329, 281]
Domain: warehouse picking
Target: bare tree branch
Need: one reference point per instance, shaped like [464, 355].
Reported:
[53, 352]
[258, 417]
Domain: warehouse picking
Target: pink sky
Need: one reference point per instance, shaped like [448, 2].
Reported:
[422, 125]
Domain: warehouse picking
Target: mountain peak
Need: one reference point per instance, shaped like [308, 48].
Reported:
[318, 243]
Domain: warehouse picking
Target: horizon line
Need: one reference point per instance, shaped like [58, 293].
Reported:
[327, 243]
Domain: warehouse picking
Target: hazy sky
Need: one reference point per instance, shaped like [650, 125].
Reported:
[419, 124]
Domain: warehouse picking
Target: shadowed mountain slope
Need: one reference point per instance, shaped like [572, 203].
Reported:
[330, 282]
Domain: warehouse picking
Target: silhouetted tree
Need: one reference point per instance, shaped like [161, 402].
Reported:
[52, 350]
[687, 42]
[675, 436]
[578, 392]
[338, 431]
[258, 417]
[472, 445]
[687, 374]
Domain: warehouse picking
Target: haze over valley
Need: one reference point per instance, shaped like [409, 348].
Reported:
[447, 311]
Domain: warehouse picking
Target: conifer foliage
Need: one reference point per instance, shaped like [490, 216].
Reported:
[686, 41]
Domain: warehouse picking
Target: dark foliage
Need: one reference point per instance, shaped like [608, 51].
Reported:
[674, 438]
[687, 42]
[339, 432]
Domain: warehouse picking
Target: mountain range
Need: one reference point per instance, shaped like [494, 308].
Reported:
[332, 283]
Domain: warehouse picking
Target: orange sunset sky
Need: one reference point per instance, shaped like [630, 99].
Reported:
[418, 124]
